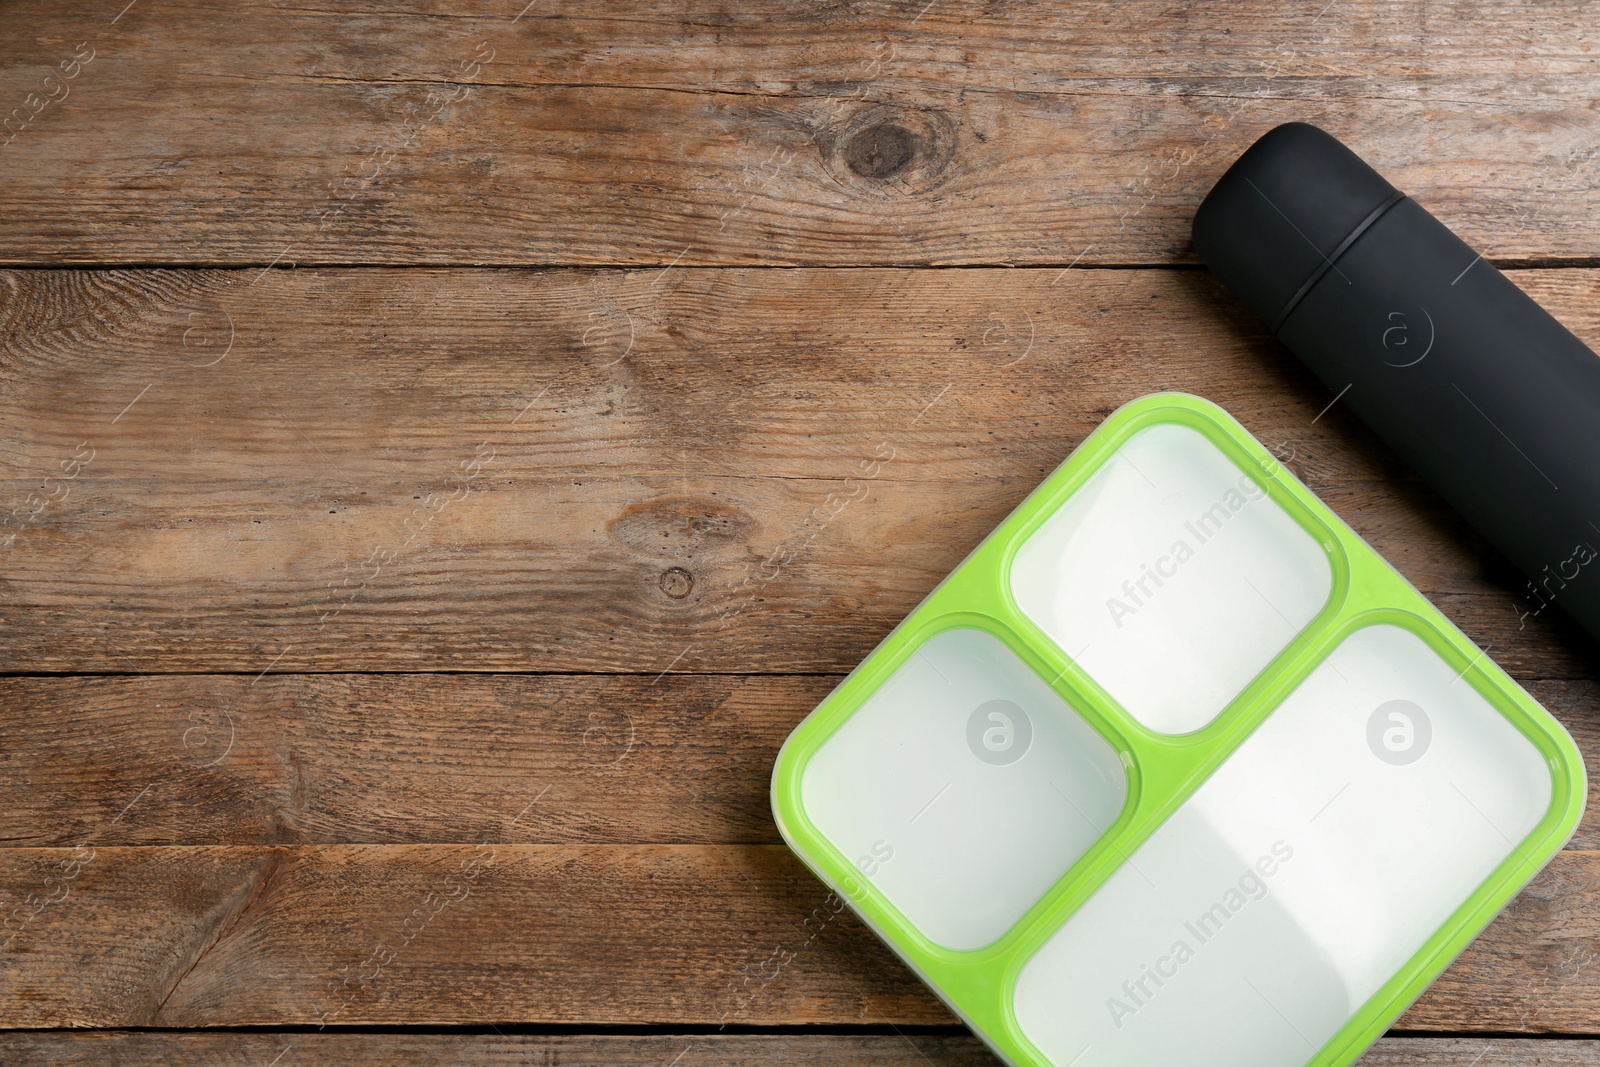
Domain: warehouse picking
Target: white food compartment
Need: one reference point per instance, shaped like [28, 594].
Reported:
[1319, 857]
[1171, 578]
[963, 788]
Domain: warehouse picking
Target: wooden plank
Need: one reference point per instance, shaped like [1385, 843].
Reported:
[717, 470]
[647, 133]
[441, 934]
[403, 759]
[432, 759]
[213, 936]
[691, 1050]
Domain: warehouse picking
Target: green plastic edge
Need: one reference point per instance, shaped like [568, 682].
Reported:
[1163, 770]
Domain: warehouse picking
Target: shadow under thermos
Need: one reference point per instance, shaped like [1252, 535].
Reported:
[1489, 398]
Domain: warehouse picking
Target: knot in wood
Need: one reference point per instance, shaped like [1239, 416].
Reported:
[880, 151]
[676, 582]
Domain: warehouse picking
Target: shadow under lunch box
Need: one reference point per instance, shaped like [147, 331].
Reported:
[1174, 768]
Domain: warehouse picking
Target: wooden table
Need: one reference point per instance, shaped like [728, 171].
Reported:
[419, 429]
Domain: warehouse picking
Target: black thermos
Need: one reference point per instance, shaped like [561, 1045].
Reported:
[1487, 396]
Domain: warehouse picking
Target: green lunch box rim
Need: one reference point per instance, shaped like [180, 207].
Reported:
[1162, 770]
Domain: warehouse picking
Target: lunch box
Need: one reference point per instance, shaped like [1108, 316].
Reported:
[1174, 768]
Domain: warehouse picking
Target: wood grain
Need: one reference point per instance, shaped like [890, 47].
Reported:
[676, 503]
[433, 759]
[691, 1050]
[217, 936]
[872, 132]
[707, 471]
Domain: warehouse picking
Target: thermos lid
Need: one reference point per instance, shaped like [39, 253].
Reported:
[1283, 213]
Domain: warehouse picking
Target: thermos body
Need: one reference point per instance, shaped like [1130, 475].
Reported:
[1490, 399]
